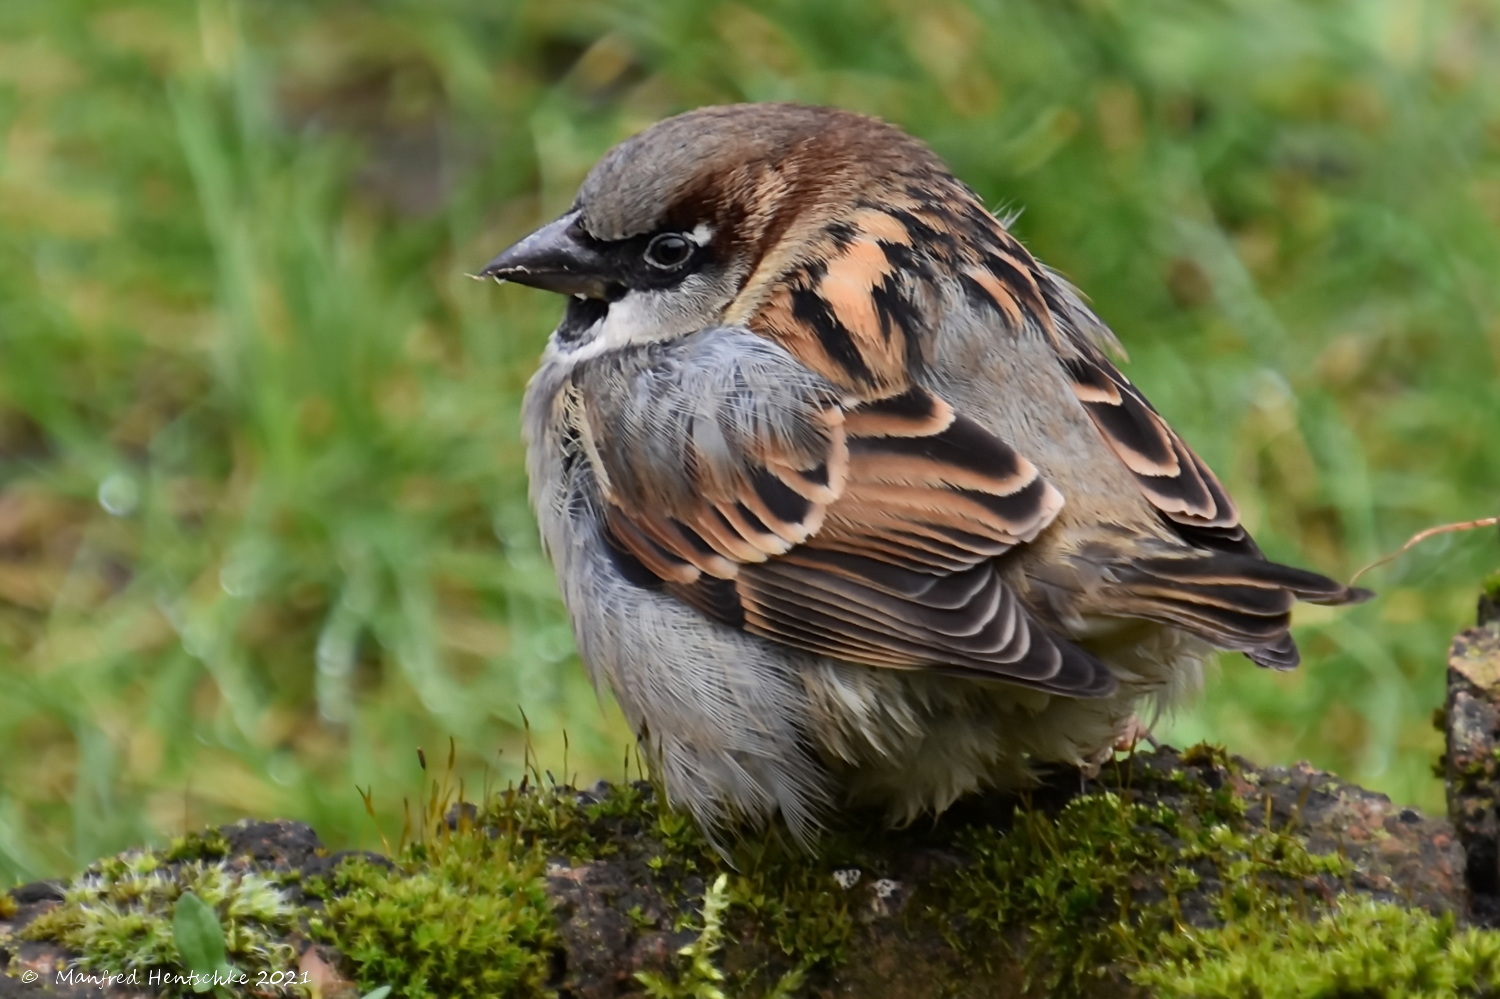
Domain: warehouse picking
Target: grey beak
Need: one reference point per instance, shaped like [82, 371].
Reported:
[557, 257]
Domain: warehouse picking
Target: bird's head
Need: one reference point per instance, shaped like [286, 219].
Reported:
[706, 218]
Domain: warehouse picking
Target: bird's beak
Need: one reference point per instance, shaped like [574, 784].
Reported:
[557, 257]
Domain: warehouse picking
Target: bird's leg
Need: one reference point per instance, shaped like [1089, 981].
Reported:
[1132, 734]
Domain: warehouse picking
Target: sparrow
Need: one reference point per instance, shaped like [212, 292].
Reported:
[847, 501]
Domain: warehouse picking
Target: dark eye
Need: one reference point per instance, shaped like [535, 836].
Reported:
[668, 251]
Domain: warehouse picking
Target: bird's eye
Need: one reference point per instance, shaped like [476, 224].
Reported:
[668, 251]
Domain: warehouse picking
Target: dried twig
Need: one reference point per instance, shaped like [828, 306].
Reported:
[1421, 536]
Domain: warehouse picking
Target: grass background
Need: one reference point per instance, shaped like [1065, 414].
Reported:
[263, 528]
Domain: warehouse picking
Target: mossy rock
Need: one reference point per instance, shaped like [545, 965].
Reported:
[1170, 874]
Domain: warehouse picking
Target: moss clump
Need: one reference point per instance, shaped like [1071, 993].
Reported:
[794, 903]
[207, 844]
[1491, 586]
[1099, 886]
[700, 977]
[462, 914]
[8, 906]
[1208, 755]
[119, 917]
[465, 915]
[770, 891]
[580, 825]
[1360, 950]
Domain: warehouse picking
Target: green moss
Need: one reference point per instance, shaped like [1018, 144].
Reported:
[207, 844]
[795, 906]
[1360, 950]
[700, 977]
[461, 914]
[465, 916]
[792, 902]
[8, 906]
[1207, 754]
[1103, 886]
[1097, 887]
[118, 917]
[815, 935]
[1185, 896]
[1491, 585]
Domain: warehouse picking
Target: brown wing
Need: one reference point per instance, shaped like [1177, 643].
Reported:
[1218, 584]
[1172, 477]
[1220, 587]
[880, 551]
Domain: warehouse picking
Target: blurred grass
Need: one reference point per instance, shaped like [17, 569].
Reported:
[263, 527]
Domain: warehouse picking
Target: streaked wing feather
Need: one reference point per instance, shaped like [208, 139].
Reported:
[1222, 587]
[1184, 491]
[881, 553]
[1219, 585]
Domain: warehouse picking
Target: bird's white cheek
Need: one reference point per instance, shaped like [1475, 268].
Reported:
[640, 317]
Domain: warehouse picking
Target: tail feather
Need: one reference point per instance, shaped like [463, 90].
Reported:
[1280, 655]
[1234, 600]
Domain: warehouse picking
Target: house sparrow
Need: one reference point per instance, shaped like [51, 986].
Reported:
[847, 502]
